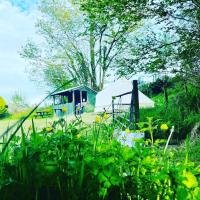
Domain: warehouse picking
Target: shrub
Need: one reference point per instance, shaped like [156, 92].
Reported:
[155, 88]
[3, 107]
[183, 110]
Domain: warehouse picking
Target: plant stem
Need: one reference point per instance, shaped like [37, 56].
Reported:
[172, 130]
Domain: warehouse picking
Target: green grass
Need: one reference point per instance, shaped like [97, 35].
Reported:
[193, 152]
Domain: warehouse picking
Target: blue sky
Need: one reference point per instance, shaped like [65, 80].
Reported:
[24, 5]
[17, 19]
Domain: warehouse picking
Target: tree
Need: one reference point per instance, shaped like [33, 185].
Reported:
[168, 43]
[18, 103]
[77, 43]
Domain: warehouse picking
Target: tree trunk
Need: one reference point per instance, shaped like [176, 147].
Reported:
[92, 56]
[101, 85]
[165, 95]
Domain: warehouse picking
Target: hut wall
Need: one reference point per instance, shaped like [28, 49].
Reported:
[58, 109]
[91, 98]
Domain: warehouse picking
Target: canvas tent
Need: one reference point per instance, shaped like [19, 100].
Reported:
[104, 98]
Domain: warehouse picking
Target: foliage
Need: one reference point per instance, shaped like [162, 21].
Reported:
[75, 161]
[193, 151]
[3, 107]
[182, 110]
[125, 13]
[85, 39]
[19, 114]
[18, 103]
[156, 87]
[167, 42]
[76, 44]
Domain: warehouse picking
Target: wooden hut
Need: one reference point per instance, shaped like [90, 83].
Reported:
[74, 100]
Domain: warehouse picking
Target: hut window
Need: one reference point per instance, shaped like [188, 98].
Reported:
[65, 99]
[68, 97]
[57, 100]
[84, 96]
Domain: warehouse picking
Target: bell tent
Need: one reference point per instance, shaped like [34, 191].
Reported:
[104, 98]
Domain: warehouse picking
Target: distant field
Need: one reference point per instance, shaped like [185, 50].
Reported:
[44, 122]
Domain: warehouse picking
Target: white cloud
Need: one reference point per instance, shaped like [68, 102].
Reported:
[15, 28]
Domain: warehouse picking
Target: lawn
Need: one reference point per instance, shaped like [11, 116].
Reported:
[44, 122]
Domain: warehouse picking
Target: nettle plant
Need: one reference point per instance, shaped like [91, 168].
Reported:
[79, 161]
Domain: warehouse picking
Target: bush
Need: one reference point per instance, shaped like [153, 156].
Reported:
[155, 88]
[183, 109]
[3, 107]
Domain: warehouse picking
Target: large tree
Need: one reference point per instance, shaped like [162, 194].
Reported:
[169, 42]
[90, 38]
[78, 42]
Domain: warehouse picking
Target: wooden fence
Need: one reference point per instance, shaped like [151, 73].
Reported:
[133, 110]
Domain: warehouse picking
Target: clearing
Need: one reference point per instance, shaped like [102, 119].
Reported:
[45, 122]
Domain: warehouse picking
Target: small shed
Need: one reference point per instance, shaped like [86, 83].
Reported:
[74, 100]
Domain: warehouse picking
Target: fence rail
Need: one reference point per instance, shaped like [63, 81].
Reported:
[124, 94]
[134, 106]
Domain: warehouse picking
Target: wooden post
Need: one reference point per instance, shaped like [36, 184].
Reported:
[136, 101]
[113, 109]
[134, 108]
[80, 111]
[73, 101]
[54, 100]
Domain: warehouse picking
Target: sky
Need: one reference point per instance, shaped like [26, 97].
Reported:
[17, 19]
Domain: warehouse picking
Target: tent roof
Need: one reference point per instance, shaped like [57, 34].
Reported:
[104, 98]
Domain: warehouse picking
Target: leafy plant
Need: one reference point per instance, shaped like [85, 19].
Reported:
[79, 161]
[3, 107]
